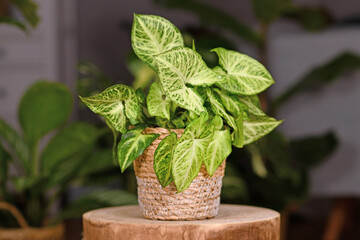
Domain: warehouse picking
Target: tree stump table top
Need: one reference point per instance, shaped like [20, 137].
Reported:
[232, 222]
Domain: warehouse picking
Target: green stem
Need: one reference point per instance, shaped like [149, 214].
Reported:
[114, 150]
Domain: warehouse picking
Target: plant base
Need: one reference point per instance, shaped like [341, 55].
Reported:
[200, 201]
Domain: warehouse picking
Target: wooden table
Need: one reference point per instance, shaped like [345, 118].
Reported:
[232, 222]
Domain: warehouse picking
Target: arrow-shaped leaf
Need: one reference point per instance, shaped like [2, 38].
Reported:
[232, 103]
[252, 104]
[244, 75]
[115, 104]
[175, 71]
[163, 159]
[189, 153]
[218, 149]
[152, 35]
[257, 127]
[132, 145]
[236, 124]
[186, 65]
[158, 103]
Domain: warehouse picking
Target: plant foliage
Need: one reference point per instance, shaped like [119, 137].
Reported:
[218, 107]
[39, 176]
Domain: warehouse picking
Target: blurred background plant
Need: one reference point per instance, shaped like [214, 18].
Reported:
[48, 155]
[19, 13]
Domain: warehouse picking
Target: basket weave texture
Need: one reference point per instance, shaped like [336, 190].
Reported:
[30, 233]
[25, 232]
[200, 201]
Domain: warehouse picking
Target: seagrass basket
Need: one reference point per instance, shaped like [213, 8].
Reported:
[26, 232]
[200, 201]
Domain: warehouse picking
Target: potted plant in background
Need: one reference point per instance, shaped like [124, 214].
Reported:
[40, 162]
[179, 135]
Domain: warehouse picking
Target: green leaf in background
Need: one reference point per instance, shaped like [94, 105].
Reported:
[44, 107]
[283, 164]
[252, 104]
[28, 9]
[173, 66]
[257, 127]
[99, 168]
[143, 74]
[218, 149]
[115, 104]
[92, 80]
[257, 161]
[66, 143]
[17, 144]
[311, 151]
[13, 22]
[319, 77]
[244, 75]
[132, 145]
[94, 200]
[269, 10]
[5, 158]
[32, 183]
[311, 18]
[158, 104]
[68, 169]
[189, 153]
[213, 16]
[233, 185]
[152, 35]
[163, 159]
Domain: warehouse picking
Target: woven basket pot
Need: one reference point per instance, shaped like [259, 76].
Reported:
[200, 201]
[26, 232]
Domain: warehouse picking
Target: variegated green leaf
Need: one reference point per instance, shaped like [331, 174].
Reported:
[132, 145]
[152, 35]
[164, 123]
[189, 152]
[180, 122]
[217, 122]
[236, 124]
[252, 104]
[140, 95]
[163, 159]
[186, 65]
[238, 134]
[158, 104]
[181, 66]
[218, 108]
[232, 103]
[257, 127]
[244, 75]
[142, 117]
[115, 104]
[218, 149]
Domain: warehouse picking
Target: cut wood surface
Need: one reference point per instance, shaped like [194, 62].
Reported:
[232, 222]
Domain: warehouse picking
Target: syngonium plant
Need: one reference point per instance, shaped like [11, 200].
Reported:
[218, 107]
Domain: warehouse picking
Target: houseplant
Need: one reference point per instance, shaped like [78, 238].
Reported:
[42, 160]
[217, 108]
